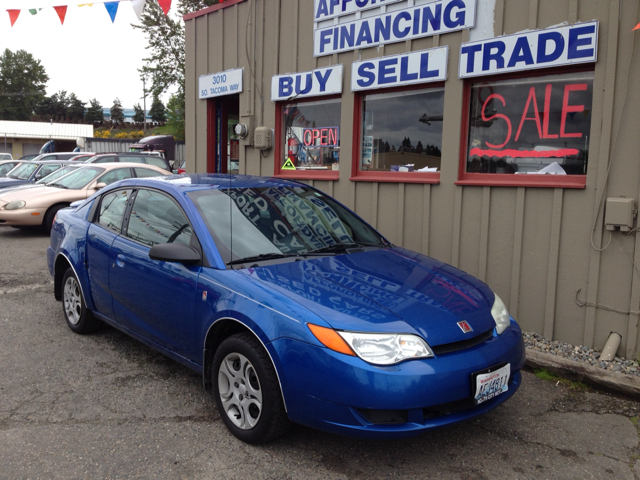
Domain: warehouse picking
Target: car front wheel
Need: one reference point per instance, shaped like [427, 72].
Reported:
[247, 390]
[78, 317]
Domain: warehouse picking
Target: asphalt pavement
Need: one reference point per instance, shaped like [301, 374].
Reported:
[105, 406]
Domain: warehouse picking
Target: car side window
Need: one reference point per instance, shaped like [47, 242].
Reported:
[146, 172]
[156, 218]
[112, 208]
[46, 170]
[115, 175]
[131, 159]
[5, 168]
[157, 161]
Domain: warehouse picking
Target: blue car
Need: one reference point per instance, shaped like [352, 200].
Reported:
[289, 305]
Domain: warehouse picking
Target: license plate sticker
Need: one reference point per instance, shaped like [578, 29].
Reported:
[492, 384]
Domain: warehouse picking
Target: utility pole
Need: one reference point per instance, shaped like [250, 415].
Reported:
[144, 103]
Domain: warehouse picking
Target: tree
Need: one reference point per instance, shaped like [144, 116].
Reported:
[22, 85]
[157, 111]
[165, 37]
[75, 110]
[138, 115]
[175, 117]
[94, 113]
[117, 113]
[59, 105]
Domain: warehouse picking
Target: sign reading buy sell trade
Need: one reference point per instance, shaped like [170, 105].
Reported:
[396, 26]
[551, 47]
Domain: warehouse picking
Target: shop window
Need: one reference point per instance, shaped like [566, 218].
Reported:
[400, 135]
[529, 131]
[309, 139]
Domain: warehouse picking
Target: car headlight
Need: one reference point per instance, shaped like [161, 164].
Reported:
[500, 315]
[386, 348]
[15, 205]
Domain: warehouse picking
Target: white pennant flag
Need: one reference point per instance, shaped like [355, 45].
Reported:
[138, 6]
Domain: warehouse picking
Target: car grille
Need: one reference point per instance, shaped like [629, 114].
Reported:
[462, 345]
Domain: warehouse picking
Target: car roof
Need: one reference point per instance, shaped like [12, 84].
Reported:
[47, 162]
[207, 181]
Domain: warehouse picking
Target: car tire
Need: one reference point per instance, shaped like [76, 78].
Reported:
[47, 223]
[247, 390]
[79, 318]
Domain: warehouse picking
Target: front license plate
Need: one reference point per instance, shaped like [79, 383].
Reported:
[492, 384]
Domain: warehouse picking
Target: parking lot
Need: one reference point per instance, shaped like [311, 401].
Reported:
[106, 406]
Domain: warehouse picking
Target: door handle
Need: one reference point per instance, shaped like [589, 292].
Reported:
[120, 260]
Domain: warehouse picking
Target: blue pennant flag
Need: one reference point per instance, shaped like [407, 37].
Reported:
[112, 8]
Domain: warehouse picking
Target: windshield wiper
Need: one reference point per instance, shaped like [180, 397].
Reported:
[262, 256]
[56, 185]
[338, 247]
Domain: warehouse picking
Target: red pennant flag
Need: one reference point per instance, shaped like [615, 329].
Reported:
[62, 12]
[165, 5]
[637, 27]
[13, 15]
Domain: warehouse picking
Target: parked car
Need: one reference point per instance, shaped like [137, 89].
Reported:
[52, 177]
[156, 160]
[29, 157]
[29, 172]
[82, 157]
[6, 156]
[38, 206]
[7, 165]
[56, 156]
[289, 305]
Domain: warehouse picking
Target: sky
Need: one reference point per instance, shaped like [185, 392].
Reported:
[88, 55]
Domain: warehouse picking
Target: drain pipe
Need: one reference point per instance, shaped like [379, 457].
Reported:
[611, 347]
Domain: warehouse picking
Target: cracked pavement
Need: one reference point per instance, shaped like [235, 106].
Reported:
[106, 406]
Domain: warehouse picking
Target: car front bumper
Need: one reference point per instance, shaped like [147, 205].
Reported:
[22, 217]
[343, 394]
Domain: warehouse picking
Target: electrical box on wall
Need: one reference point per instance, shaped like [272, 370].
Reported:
[262, 138]
[619, 212]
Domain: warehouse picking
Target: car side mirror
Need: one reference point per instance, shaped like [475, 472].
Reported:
[100, 186]
[174, 252]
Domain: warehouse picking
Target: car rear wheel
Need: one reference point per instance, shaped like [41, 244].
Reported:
[47, 223]
[247, 391]
[78, 317]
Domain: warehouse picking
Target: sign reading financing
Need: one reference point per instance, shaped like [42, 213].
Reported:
[413, 22]
[321, 81]
[334, 8]
[219, 84]
[551, 47]
[405, 69]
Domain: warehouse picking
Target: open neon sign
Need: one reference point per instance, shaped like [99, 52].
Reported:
[321, 137]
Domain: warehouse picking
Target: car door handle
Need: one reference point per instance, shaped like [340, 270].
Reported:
[120, 260]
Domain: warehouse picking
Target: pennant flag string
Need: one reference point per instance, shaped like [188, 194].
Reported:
[637, 27]
[111, 7]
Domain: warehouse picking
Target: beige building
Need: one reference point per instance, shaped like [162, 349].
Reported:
[27, 138]
[489, 134]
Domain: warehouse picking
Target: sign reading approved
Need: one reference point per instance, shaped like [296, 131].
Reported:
[219, 84]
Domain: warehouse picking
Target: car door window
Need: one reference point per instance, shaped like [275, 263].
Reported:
[146, 172]
[112, 208]
[115, 175]
[5, 168]
[156, 218]
[157, 161]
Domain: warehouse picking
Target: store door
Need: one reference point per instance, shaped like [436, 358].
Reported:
[223, 145]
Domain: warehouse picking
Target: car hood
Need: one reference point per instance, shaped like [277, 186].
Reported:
[11, 182]
[42, 196]
[386, 290]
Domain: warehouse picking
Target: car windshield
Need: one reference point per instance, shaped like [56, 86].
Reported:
[57, 174]
[23, 171]
[279, 221]
[79, 178]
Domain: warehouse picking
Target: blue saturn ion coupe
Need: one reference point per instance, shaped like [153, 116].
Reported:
[291, 307]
